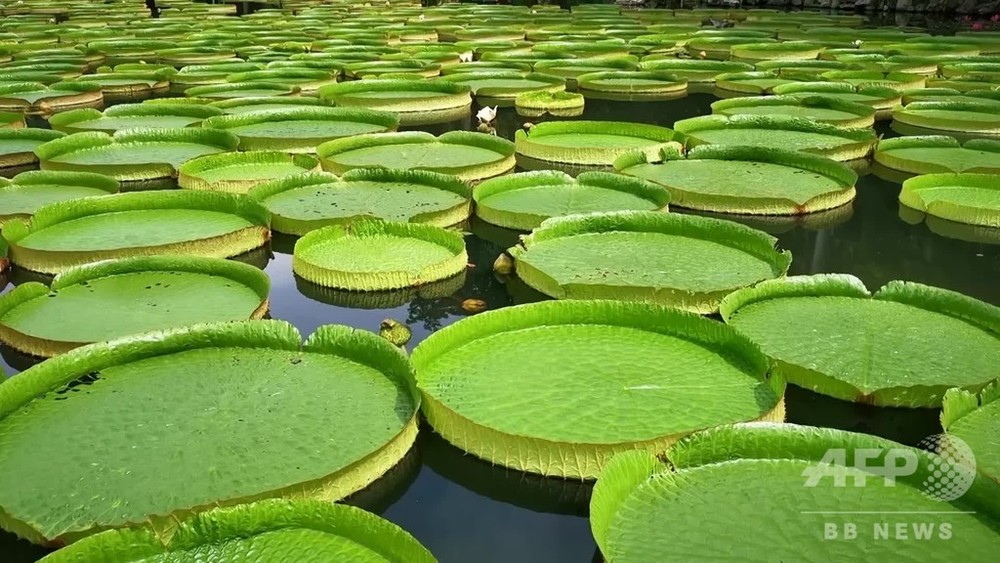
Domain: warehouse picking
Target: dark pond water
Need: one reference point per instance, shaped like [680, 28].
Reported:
[464, 509]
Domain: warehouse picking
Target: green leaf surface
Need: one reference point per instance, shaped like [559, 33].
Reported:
[964, 198]
[136, 295]
[684, 261]
[470, 156]
[936, 154]
[905, 346]
[755, 477]
[656, 372]
[306, 202]
[780, 133]
[149, 404]
[748, 180]
[523, 201]
[372, 255]
[265, 530]
[975, 419]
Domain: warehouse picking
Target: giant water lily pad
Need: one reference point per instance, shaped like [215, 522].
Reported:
[904, 345]
[972, 199]
[305, 202]
[17, 146]
[503, 87]
[266, 103]
[234, 90]
[975, 419]
[938, 154]
[238, 172]
[757, 82]
[649, 509]
[949, 117]
[307, 80]
[631, 85]
[745, 180]
[374, 255]
[821, 109]
[470, 156]
[127, 116]
[301, 129]
[684, 261]
[128, 86]
[559, 104]
[32, 190]
[596, 143]
[137, 154]
[786, 50]
[623, 360]
[417, 102]
[33, 98]
[74, 232]
[694, 70]
[883, 99]
[779, 132]
[896, 80]
[523, 201]
[116, 298]
[333, 532]
[354, 385]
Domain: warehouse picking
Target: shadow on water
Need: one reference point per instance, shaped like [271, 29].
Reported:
[534, 492]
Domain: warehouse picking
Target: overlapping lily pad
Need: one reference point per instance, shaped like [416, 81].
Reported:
[70, 233]
[503, 87]
[975, 419]
[694, 70]
[973, 199]
[231, 90]
[883, 99]
[470, 156]
[903, 346]
[594, 143]
[979, 119]
[117, 298]
[683, 261]
[745, 180]
[631, 85]
[33, 98]
[305, 202]
[17, 145]
[623, 360]
[356, 385]
[934, 154]
[29, 191]
[523, 201]
[772, 131]
[417, 102]
[301, 129]
[129, 116]
[266, 103]
[128, 86]
[266, 528]
[821, 109]
[559, 104]
[648, 509]
[238, 172]
[756, 82]
[374, 255]
[136, 154]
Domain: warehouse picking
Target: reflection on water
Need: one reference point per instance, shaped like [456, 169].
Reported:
[465, 509]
